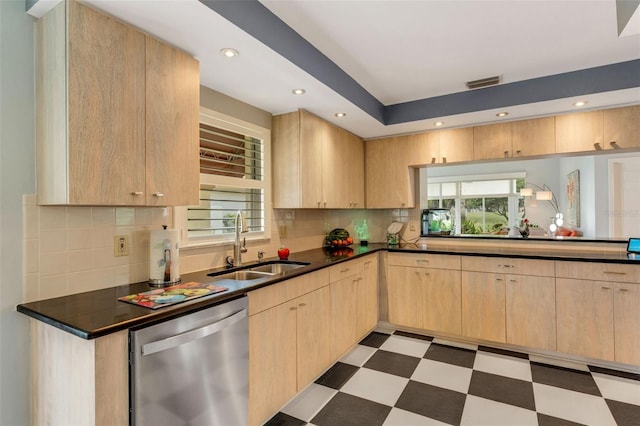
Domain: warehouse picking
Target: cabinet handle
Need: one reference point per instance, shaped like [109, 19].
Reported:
[506, 154]
[444, 159]
[506, 266]
[302, 305]
[368, 262]
[137, 193]
[422, 261]
[428, 274]
[293, 308]
[614, 145]
[518, 152]
[513, 281]
[597, 146]
[615, 273]
[498, 279]
[318, 204]
[344, 270]
[606, 288]
[433, 160]
[624, 290]
[158, 194]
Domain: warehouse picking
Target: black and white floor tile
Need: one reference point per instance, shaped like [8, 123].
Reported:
[405, 379]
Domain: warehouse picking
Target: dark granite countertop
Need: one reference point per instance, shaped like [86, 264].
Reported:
[98, 313]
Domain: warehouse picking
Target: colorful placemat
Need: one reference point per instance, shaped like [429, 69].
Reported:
[167, 296]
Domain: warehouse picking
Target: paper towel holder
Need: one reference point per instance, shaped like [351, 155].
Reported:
[164, 267]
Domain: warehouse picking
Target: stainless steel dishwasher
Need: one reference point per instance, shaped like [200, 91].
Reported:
[192, 370]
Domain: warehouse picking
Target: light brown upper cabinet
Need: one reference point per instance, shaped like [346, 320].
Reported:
[514, 139]
[533, 137]
[315, 164]
[492, 141]
[117, 113]
[389, 179]
[614, 128]
[621, 127]
[455, 145]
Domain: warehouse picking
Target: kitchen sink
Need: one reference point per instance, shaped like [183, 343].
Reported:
[259, 271]
[276, 267]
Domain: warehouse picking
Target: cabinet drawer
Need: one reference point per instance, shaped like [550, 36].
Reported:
[424, 260]
[504, 265]
[276, 294]
[345, 269]
[598, 271]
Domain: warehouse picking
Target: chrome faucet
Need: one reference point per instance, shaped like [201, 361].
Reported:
[238, 249]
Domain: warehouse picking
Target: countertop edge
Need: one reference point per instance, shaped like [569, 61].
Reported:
[148, 317]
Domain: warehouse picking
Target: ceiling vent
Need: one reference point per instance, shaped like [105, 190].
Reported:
[483, 82]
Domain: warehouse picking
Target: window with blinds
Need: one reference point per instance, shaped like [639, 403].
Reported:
[232, 177]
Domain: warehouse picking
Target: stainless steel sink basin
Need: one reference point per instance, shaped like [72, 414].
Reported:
[277, 267]
[259, 271]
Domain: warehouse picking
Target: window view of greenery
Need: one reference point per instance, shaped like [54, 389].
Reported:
[479, 206]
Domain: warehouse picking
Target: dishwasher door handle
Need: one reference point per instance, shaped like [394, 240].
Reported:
[190, 336]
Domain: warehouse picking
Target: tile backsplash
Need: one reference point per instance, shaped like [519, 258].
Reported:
[69, 249]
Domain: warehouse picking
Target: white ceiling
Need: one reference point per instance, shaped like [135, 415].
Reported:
[397, 50]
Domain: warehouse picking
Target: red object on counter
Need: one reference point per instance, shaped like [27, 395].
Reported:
[283, 253]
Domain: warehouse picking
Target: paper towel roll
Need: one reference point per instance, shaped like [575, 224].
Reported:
[164, 258]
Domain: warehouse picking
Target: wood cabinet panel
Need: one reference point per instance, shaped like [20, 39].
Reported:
[585, 318]
[405, 296]
[367, 308]
[456, 145]
[483, 306]
[276, 294]
[533, 137]
[579, 132]
[313, 132]
[531, 311]
[172, 126]
[424, 260]
[389, 181]
[505, 265]
[313, 335]
[621, 127]
[626, 320]
[272, 353]
[316, 164]
[442, 300]
[115, 115]
[492, 141]
[598, 271]
[344, 294]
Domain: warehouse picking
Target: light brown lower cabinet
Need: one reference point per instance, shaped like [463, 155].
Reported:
[599, 319]
[77, 381]
[483, 306]
[427, 298]
[344, 314]
[585, 318]
[367, 298]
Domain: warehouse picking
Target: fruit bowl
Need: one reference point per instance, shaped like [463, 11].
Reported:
[338, 238]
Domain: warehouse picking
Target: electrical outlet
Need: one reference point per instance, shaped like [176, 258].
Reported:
[412, 226]
[283, 231]
[121, 245]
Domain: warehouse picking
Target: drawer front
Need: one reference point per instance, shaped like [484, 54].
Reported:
[345, 269]
[276, 294]
[505, 265]
[424, 260]
[599, 271]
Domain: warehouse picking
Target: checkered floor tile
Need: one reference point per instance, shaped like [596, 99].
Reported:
[404, 379]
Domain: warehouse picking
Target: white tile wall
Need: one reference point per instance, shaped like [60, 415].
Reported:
[70, 249]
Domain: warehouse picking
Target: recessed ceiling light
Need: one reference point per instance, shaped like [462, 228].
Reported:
[298, 91]
[502, 114]
[340, 114]
[229, 53]
[579, 103]
[439, 123]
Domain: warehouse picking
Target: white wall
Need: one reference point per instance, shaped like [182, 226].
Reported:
[17, 177]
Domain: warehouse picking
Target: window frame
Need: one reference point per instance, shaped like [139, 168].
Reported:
[226, 122]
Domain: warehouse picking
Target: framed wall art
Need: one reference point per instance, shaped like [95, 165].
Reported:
[573, 198]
